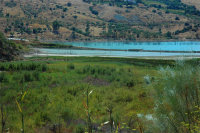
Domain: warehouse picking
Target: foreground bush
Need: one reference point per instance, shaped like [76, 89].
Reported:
[177, 95]
[8, 49]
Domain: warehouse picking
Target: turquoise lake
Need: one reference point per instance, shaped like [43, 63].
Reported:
[161, 46]
[171, 46]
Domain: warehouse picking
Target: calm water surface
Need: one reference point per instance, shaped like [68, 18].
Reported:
[163, 46]
[171, 46]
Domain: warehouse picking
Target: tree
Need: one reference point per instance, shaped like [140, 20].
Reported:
[69, 4]
[169, 35]
[73, 35]
[1, 13]
[87, 30]
[56, 26]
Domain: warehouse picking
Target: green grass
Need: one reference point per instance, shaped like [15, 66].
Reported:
[56, 94]
[50, 45]
[149, 2]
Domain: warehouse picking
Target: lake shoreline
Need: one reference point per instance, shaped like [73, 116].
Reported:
[128, 50]
[118, 49]
[40, 54]
[128, 41]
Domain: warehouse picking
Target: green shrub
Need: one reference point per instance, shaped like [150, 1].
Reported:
[71, 66]
[73, 91]
[130, 83]
[11, 4]
[69, 4]
[28, 77]
[67, 115]
[80, 129]
[9, 50]
[36, 75]
[65, 9]
[3, 77]
[44, 67]
[23, 66]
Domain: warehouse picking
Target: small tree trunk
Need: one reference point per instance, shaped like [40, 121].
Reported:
[111, 121]
[59, 126]
[22, 122]
[140, 126]
[89, 120]
[188, 110]
[3, 123]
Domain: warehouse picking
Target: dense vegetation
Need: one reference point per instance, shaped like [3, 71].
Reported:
[56, 98]
[177, 100]
[50, 45]
[8, 49]
[76, 94]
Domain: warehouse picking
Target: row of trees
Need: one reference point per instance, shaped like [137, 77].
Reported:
[125, 31]
[178, 5]
[115, 2]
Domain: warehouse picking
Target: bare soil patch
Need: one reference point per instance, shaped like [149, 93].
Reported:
[96, 81]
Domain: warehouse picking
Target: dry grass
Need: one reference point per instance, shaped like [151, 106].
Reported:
[196, 3]
[84, 15]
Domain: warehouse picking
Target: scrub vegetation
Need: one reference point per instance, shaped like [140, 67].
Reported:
[93, 94]
[8, 49]
[57, 91]
[88, 20]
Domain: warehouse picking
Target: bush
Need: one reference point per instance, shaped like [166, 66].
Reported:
[130, 83]
[71, 66]
[154, 11]
[65, 9]
[3, 77]
[11, 4]
[23, 66]
[80, 129]
[28, 77]
[8, 49]
[56, 25]
[73, 91]
[69, 4]
[177, 94]
[44, 67]
[168, 35]
[177, 18]
[67, 115]
[36, 75]
[95, 12]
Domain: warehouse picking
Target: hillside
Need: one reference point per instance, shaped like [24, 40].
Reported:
[196, 3]
[46, 20]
